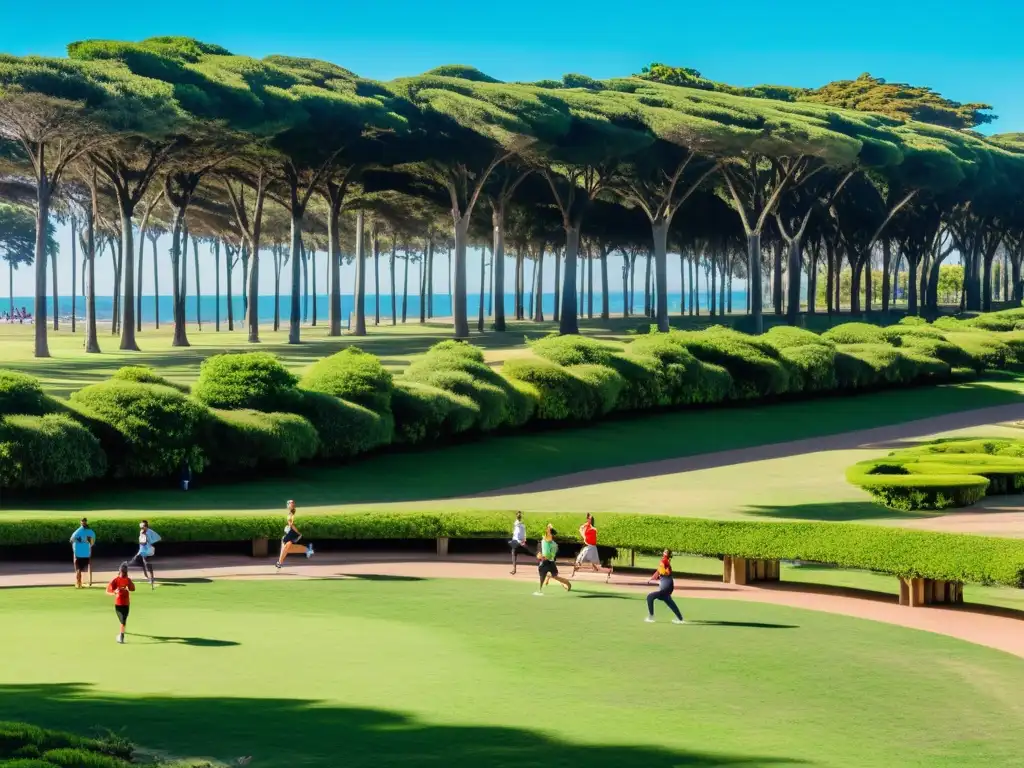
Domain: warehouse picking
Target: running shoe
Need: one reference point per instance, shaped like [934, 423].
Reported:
[538, 594]
[277, 566]
[120, 638]
[309, 551]
[649, 619]
[678, 621]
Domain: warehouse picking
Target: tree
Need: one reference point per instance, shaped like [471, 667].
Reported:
[17, 240]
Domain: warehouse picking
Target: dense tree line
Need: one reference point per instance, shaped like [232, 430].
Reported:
[288, 157]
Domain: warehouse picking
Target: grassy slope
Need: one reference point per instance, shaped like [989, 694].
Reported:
[377, 672]
[500, 462]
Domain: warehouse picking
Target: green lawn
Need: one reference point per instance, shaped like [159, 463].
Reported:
[378, 672]
[480, 467]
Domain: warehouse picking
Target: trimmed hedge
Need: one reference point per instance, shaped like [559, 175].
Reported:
[143, 374]
[562, 395]
[44, 451]
[249, 380]
[573, 350]
[814, 366]
[344, 429]
[754, 365]
[787, 336]
[236, 442]
[146, 430]
[605, 385]
[859, 333]
[428, 414]
[352, 375]
[23, 395]
[895, 551]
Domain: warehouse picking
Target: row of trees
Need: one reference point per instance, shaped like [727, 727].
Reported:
[171, 133]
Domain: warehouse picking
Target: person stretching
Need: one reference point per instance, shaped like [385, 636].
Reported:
[290, 540]
[546, 565]
[517, 543]
[120, 587]
[666, 585]
[147, 538]
[589, 553]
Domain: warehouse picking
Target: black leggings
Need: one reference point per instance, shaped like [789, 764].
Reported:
[145, 564]
[122, 613]
[665, 595]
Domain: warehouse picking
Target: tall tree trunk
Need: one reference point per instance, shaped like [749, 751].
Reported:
[312, 270]
[394, 304]
[568, 323]
[115, 326]
[92, 344]
[659, 230]
[305, 284]
[557, 314]
[517, 297]
[793, 272]
[721, 286]
[590, 287]
[713, 287]
[278, 259]
[156, 288]
[777, 277]
[856, 267]
[430, 278]
[886, 266]
[694, 295]
[605, 289]
[812, 282]
[1015, 265]
[360, 292]
[334, 270]
[179, 261]
[298, 262]
[10, 281]
[533, 292]
[376, 277]
[912, 263]
[138, 278]
[74, 279]
[538, 307]
[625, 285]
[405, 290]
[43, 196]
[423, 287]
[483, 282]
[1005, 271]
[199, 292]
[183, 295]
[729, 289]
[126, 261]
[647, 286]
[754, 280]
[56, 294]
[490, 283]
[216, 281]
[229, 268]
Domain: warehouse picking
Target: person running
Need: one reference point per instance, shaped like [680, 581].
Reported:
[290, 540]
[546, 566]
[590, 553]
[517, 544]
[120, 587]
[81, 548]
[666, 585]
[147, 538]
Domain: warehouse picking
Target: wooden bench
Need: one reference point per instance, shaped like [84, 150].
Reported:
[742, 570]
[915, 593]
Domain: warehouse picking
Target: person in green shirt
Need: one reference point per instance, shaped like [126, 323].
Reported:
[546, 565]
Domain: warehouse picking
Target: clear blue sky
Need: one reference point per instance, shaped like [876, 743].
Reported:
[967, 51]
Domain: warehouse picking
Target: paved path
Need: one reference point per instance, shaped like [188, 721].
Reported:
[877, 437]
[1001, 630]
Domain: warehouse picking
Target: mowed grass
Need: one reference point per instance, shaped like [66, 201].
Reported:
[487, 466]
[380, 672]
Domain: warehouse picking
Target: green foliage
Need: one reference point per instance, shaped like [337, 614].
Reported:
[236, 442]
[606, 384]
[859, 333]
[345, 429]
[813, 366]
[352, 375]
[753, 364]
[43, 747]
[246, 380]
[22, 394]
[425, 414]
[47, 451]
[787, 336]
[72, 757]
[985, 349]
[562, 396]
[896, 551]
[573, 350]
[642, 374]
[147, 430]
[860, 366]
[458, 349]
[146, 375]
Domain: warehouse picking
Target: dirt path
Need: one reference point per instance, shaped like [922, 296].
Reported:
[1000, 630]
[878, 437]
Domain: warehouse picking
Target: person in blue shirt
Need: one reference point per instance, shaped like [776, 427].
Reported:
[81, 547]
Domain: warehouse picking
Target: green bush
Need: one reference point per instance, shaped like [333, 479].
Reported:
[912, 320]
[143, 374]
[642, 374]
[938, 348]
[250, 380]
[459, 349]
[984, 348]
[896, 551]
[562, 396]
[21, 739]
[236, 442]
[917, 367]
[46, 451]
[146, 430]
[352, 375]
[23, 395]
[868, 365]
[425, 414]
[786, 337]
[754, 365]
[491, 401]
[71, 757]
[814, 366]
[573, 350]
[859, 333]
[606, 384]
[344, 429]
[1014, 340]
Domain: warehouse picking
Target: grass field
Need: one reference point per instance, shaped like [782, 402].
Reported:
[374, 672]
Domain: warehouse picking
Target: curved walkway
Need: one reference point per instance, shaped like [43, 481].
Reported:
[877, 437]
[994, 629]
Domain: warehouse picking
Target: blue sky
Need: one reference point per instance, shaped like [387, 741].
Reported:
[967, 51]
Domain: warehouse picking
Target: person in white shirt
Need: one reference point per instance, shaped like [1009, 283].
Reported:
[517, 544]
[147, 538]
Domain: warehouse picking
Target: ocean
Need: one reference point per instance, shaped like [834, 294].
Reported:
[207, 306]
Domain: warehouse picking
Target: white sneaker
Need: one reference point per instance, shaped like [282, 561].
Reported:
[678, 621]
[538, 594]
[649, 619]
[309, 551]
[120, 639]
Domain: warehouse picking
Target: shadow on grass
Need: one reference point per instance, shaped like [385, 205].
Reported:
[288, 732]
[748, 624]
[197, 642]
[834, 512]
[380, 577]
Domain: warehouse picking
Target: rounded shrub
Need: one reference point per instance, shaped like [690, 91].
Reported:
[345, 429]
[252, 380]
[239, 441]
[47, 451]
[754, 365]
[813, 366]
[938, 348]
[562, 396]
[143, 374]
[643, 381]
[916, 366]
[913, 320]
[21, 394]
[491, 400]
[682, 379]
[896, 488]
[573, 350]
[985, 349]
[786, 336]
[857, 333]
[425, 414]
[147, 430]
[903, 334]
[352, 375]
[607, 384]
[1014, 340]
[461, 349]
[867, 365]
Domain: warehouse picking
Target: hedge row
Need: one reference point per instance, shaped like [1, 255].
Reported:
[942, 474]
[895, 551]
[248, 412]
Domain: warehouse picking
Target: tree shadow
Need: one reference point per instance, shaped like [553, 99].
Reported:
[197, 642]
[835, 512]
[288, 732]
[601, 595]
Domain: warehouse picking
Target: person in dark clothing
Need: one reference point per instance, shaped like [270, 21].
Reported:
[666, 585]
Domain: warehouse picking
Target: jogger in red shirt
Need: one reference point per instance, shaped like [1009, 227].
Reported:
[120, 587]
